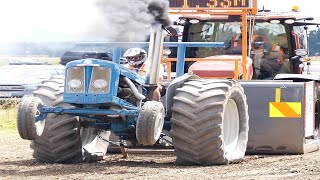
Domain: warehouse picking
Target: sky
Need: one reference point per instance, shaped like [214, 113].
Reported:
[35, 19]
[306, 6]
[54, 20]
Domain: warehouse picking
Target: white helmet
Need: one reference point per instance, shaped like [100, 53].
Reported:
[135, 56]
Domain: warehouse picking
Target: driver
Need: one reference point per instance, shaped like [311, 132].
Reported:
[136, 58]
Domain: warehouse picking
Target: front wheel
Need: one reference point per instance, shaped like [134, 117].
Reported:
[28, 110]
[210, 122]
[150, 123]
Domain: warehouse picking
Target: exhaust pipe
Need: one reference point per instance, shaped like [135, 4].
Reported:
[154, 55]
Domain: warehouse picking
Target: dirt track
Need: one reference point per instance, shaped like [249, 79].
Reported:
[16, 162]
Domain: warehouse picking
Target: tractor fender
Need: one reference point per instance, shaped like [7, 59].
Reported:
[171, 90]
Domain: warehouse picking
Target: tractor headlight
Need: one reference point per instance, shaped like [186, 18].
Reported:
[75, 83]
[100, 83]
[100, 80]
[75, 80]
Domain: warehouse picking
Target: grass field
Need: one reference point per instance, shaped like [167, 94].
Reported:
[8, 112]
[8, 118]
[52, 60]
[8, 115]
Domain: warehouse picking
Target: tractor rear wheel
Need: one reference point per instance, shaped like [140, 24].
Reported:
[63, 139]
[210, 122]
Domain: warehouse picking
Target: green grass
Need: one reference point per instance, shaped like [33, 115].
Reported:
[8, 115]
[51, 60]
[8, 120]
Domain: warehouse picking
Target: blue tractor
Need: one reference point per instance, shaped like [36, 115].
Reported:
[71, 120]
[207, 118]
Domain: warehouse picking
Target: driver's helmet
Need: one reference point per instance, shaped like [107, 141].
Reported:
[258, 42]
[135, 56]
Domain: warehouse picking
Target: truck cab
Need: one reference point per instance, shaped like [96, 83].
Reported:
[272, 40]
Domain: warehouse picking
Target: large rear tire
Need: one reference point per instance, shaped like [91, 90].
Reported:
[63, 139]
[210, 122]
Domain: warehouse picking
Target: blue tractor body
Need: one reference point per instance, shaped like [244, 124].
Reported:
[87, 93]
[94, 103]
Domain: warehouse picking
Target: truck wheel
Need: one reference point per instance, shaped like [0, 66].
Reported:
[209, 123]
[63, 139]
[28, 109]
[150, 123]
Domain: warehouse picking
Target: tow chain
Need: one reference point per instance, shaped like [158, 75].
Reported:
[124, 149]
[111, 142]
[119, 144]
[161, 138]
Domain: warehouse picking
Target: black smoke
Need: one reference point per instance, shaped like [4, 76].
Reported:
[128, 20]
[160, 11]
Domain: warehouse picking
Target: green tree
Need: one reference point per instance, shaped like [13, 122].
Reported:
[314, 42]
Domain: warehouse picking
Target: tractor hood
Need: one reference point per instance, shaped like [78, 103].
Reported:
[223, 66]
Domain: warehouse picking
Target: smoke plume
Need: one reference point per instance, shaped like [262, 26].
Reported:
[41, 21]
[128, 20]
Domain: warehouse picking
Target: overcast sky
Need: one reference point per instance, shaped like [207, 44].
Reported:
[41, 20]
[35, 19]
[307, 6]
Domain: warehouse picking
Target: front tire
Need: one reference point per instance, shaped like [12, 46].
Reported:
[28, 127]
[150, 123]
[209, 123]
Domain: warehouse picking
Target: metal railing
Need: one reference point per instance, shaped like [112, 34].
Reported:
[234, 76]
[181, 52]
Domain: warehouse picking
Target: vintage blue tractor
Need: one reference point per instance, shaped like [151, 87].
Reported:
[207, 118]
[71, 120]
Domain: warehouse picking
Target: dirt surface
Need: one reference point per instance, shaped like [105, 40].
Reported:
[16, 162]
